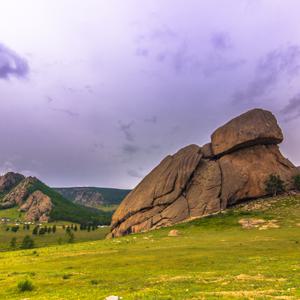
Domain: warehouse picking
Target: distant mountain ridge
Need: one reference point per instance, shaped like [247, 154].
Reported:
[40, 203]
[93, 196]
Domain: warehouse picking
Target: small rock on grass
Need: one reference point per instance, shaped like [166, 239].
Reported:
[173, 232]
[113, 298]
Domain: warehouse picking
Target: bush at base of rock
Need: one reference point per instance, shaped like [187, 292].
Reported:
[297, 182]
[274, 185]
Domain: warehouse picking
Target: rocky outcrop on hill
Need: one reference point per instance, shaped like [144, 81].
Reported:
[18, 194]
[37, 207]
[199, 181]
[93, 196]
[10, 180]
[83, 196]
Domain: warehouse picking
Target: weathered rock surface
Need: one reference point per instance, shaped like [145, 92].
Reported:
[36, 204]
[9, 181]
[199, 181]
[18, 194]
[83, 196]
[255, 127]
[245, 172]
[158, 191]
[37, 207]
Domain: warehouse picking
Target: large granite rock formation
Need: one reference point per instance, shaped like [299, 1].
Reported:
[199, 181]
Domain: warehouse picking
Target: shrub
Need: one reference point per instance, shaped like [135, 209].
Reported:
[35, 230]
[70, 236]
[274, 185]
[13, 242]
[25, 285]
[15, 228]
[27, 242]
[67, 276]
[297, 182]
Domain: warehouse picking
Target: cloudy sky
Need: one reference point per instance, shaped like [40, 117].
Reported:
[97, 92]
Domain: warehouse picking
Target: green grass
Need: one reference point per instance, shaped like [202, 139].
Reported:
[212, 258]
[59, 237]
[11, 213]
[108, 207]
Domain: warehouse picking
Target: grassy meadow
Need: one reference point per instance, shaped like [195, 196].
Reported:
[211, 258]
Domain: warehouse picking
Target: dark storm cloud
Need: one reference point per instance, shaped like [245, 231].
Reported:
[221, 41]
[269, 69]
[292, 110]
[49, 99]
[12, 64]
[68, 112]
[126, 129]
[152, 120]
[130, 149]
[134, 173]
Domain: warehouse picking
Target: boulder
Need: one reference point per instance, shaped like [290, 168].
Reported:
[255, 127]
[207, 151]
[173, 233]
[246, 171]
[200, 181]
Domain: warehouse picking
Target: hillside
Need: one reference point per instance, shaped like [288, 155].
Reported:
[211, 258]
[93, 196]
[39, 203]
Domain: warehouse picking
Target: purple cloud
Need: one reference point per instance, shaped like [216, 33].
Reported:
[269, 69]
[292, 109]
[134, 173]
[130, 149]
[11, 64]
[127, 130]
[221, 41]
[180, 53]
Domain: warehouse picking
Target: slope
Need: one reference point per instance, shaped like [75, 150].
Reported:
[211, 258]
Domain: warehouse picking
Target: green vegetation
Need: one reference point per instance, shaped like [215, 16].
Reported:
[43, 236]
[211, 258]
[11, 213]
[27, 242]
[297, 182]
[67, 210]
[25, 285]
[108, 208]
[110, 196]
[274, 185]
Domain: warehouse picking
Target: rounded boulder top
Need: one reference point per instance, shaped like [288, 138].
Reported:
[255, 127]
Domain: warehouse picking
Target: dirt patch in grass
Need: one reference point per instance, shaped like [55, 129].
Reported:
[261, 224]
